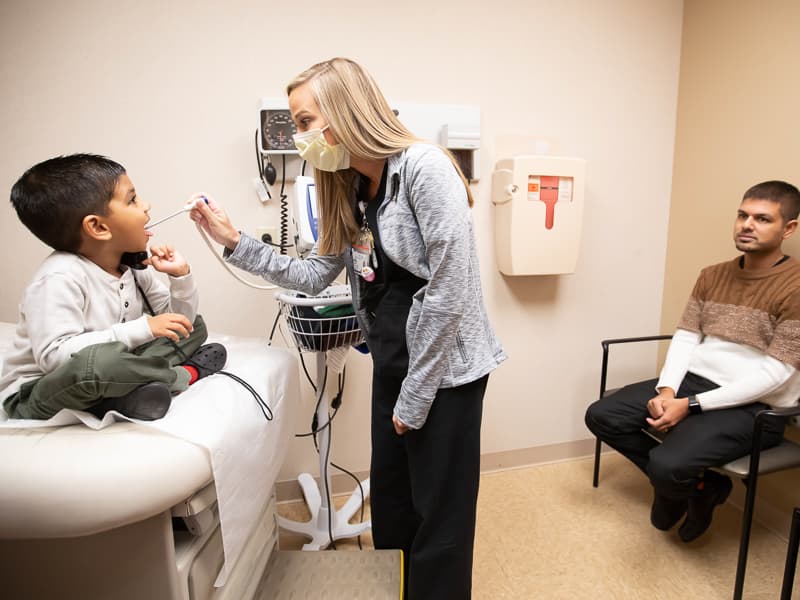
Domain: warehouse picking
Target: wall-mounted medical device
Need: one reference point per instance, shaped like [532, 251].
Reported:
[538, 213]
[454, 126]
[305, 214]
[275, 127]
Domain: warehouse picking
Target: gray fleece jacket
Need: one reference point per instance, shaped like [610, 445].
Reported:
[426, 228]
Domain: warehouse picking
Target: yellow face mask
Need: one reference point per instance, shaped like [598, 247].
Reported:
[314, 148]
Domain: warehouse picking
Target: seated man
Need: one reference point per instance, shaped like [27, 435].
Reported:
[735, 351]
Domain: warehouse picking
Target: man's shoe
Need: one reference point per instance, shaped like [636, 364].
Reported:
[666, 512]
[208, 359]
[147, 403]
[712, 490]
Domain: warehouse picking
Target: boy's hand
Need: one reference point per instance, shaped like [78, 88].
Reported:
[170, 325]
[166, 259]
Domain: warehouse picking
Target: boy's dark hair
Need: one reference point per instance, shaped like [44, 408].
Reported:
[52, 197]
[781, 192]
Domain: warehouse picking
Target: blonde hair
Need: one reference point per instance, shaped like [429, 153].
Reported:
[365, 124]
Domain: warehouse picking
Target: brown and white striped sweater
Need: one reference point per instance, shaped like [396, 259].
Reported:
[740, 329]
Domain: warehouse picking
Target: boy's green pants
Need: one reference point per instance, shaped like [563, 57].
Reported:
[106, 370]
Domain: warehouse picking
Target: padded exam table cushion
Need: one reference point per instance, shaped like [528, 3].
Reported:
[74, 481]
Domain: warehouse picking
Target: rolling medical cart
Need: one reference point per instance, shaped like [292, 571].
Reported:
[320, 324]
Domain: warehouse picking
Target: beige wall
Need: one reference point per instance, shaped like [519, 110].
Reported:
[171, 90]
[737, 125]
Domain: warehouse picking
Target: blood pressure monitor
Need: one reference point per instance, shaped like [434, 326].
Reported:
[276, 128]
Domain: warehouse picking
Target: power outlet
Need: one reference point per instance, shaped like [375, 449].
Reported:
[267, 234]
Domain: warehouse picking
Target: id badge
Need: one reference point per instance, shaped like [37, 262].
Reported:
[362, 253]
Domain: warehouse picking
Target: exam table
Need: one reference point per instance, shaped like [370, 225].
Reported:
[178, 509]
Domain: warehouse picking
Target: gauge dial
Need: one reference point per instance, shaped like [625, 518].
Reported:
[277, 130]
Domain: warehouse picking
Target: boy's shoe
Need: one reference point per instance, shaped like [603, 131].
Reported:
[147, 403]
[208, 359]
[666, 512]
[712, 490]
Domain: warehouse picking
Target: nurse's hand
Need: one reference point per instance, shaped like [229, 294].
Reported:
[210, 216]
[399, 427]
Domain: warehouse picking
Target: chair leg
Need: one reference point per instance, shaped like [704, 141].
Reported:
[744, 542]
[791, 556]
[597, 445]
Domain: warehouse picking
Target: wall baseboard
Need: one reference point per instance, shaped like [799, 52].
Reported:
[289, 491]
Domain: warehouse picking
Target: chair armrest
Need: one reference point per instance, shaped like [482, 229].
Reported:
[606, 343]
[758, 426]
[790, 411]
[647, 338]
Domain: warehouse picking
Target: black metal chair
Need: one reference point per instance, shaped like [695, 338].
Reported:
[784, 456]
[791, 556]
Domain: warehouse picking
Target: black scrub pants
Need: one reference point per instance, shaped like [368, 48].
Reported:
[424, 487]
[709, 439]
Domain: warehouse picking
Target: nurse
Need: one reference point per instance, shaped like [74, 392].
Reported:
[394, 212]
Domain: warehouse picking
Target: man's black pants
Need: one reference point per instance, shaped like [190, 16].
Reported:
[709, 439]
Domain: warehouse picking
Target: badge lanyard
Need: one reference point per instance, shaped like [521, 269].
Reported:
[365, 260]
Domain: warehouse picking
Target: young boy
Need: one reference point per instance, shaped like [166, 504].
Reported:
[84, 340]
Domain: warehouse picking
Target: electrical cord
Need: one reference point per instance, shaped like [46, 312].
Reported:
[331, 509]
[299, 350]
[327, 457]
[305, 370]
[260, 165]
[227, 267]
[274, 327]
[314, 430]
[336, 403]
[262, 404]
[314, 420]
[284, 207]
[284, 211]
[361, 491]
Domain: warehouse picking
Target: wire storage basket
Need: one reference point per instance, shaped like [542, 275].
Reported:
[323, 322]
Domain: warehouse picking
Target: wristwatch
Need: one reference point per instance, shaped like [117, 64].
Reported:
[694, 406]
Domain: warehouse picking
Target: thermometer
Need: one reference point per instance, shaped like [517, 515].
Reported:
[186, 208]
